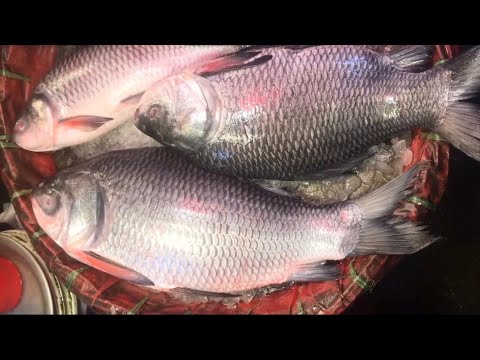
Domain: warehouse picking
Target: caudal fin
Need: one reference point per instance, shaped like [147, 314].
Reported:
[461, 126]
[381, 233]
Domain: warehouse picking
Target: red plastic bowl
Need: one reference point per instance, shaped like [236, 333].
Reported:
[11, 285]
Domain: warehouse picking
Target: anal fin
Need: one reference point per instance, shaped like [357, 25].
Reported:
[316, 272]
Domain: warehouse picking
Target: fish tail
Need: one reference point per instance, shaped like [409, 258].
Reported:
[461, 125]
[381, 232]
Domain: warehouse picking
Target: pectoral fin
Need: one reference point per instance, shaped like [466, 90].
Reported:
[110, 267]
[85, 122]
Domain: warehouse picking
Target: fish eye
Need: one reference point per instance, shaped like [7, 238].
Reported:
[20, 125]
[50, 201]
[154, 111]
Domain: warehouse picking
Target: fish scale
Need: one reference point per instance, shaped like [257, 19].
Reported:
[334, 99]
[93, 91]
[215, 233]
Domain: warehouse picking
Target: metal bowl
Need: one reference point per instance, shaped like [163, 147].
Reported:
[42, 292]
[37, 297]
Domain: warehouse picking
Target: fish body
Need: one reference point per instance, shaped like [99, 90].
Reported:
[292, 112]
[153, 217]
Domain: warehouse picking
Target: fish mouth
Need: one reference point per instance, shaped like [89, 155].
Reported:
[17, 139]
[22, 141]
[46, 149]
[143, 123]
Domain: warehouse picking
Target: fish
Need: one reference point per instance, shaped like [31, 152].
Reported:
[96, 88]
[153, 217]
[296, 113]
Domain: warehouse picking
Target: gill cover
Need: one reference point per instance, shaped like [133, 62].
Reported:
[74, 211]
[182, 111]
[71, 208]
[88, 223]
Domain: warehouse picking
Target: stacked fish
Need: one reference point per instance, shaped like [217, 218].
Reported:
[197, 214]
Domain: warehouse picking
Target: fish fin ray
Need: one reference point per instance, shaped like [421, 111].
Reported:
[133, 100]
[413, 58]
[110, 267]
[85, 122]
[298, 47]
[391, 236]
[465, 75]
[380, 232]
[383, 201]
[316, 272]
[271, 186]
[461, 125]
[338, 169]
[233, 62]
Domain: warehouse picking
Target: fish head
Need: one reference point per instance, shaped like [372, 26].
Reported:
[34, 128]
[71, 209]
[182, 111]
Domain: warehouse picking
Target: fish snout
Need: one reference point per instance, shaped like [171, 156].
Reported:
[20, 134]
[143, 123]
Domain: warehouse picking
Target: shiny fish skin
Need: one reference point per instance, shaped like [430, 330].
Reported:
[115, 72]
[94, 81]
[182, 226]
[211, 232]
[311, 109]
[308, 110]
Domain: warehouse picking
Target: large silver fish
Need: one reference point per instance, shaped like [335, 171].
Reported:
[152, 217]
[286, 113]
[96, 88]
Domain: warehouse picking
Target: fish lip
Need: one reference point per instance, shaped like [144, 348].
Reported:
[17, 139]
[44, 149]
[41, 149]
